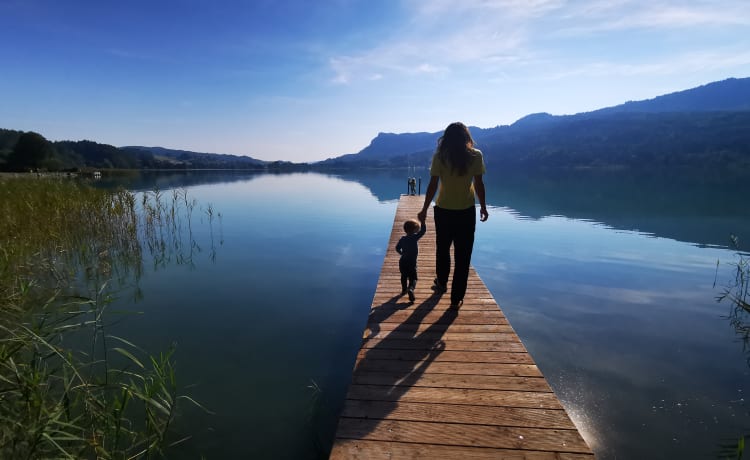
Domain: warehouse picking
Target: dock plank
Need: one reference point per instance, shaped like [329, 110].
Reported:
[485, 382]
[430, 382]
[455, 434]
[384, 450]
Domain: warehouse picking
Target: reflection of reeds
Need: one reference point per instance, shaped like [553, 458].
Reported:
[312, 418]
[736, 292]
[64, 248]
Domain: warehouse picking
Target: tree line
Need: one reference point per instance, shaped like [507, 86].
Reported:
[30, 151]
[638, 141]
[24, 151]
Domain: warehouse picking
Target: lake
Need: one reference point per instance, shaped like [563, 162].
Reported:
[608, 280]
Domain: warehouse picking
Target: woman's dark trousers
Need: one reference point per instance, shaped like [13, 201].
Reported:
[457, 228]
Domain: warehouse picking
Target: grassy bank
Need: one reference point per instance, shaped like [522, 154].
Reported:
[63, 247]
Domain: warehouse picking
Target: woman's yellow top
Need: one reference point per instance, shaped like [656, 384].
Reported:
[457, 191]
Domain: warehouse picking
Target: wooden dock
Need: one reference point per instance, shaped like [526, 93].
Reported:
[433, 383]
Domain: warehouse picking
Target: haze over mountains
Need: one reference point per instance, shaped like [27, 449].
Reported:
[703, 127]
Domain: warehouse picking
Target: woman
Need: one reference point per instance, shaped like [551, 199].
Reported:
[458, 167]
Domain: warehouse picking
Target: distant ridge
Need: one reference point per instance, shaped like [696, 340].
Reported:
[732, 94]
[698, 128]
[200, 159]
[706, 125]
[386, 145]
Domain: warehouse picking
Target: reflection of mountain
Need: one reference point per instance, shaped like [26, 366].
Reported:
[691, 210]
[164, 180]
[702, 212]
[385, 184]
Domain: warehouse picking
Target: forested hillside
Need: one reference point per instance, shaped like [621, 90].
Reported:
[705, 127]
[24, 151]
[634, 140]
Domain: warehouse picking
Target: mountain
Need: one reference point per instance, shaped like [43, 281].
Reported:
[699, 127]
[24, 151]
[386, 145]
[732, 94]
[199, 160]
[392, 147]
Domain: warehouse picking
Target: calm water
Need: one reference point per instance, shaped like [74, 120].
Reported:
[607, 280]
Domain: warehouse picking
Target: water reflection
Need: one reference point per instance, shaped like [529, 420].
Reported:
[268, 334]
[736, 293]
[625, 329]
[165, 180]
[699, 210]
[607, 280]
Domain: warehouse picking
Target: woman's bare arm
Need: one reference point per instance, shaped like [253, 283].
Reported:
[479, 189]
[429, 194]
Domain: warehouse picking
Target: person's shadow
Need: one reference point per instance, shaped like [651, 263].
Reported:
[391, 362]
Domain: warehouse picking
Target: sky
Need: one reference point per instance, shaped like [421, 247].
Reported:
[306, 80]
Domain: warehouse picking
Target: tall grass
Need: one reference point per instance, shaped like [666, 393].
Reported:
[64, 247]
[737, 294]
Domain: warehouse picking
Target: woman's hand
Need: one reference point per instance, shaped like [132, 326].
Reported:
[422, 215]
[483, 214]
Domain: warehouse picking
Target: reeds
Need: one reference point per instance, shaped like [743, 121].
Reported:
[737, 294]
[64, 247]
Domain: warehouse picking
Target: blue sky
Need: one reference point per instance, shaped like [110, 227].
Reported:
[308, 80]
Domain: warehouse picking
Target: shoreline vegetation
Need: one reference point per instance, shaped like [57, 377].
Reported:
[69, 388]
[737, 294]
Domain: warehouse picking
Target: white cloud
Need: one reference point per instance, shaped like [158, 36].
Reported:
[496, 37]
[427, 68]
[675, 65]
[612, 15]
[342, 67]
[508, 8]
[431, 49]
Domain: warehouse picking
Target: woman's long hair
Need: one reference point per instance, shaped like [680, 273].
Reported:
[456, 148]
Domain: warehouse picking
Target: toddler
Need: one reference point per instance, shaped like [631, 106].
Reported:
[408, 247]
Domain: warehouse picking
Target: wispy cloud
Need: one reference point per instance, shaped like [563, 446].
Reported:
[509, 8]
[495, 36]
[428, 49]
[620, 15]
[678, 64]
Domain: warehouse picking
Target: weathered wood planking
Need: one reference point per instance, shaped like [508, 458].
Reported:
[430, 382]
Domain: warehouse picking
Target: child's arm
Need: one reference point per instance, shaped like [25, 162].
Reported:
[399, 248]
[422, 229]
